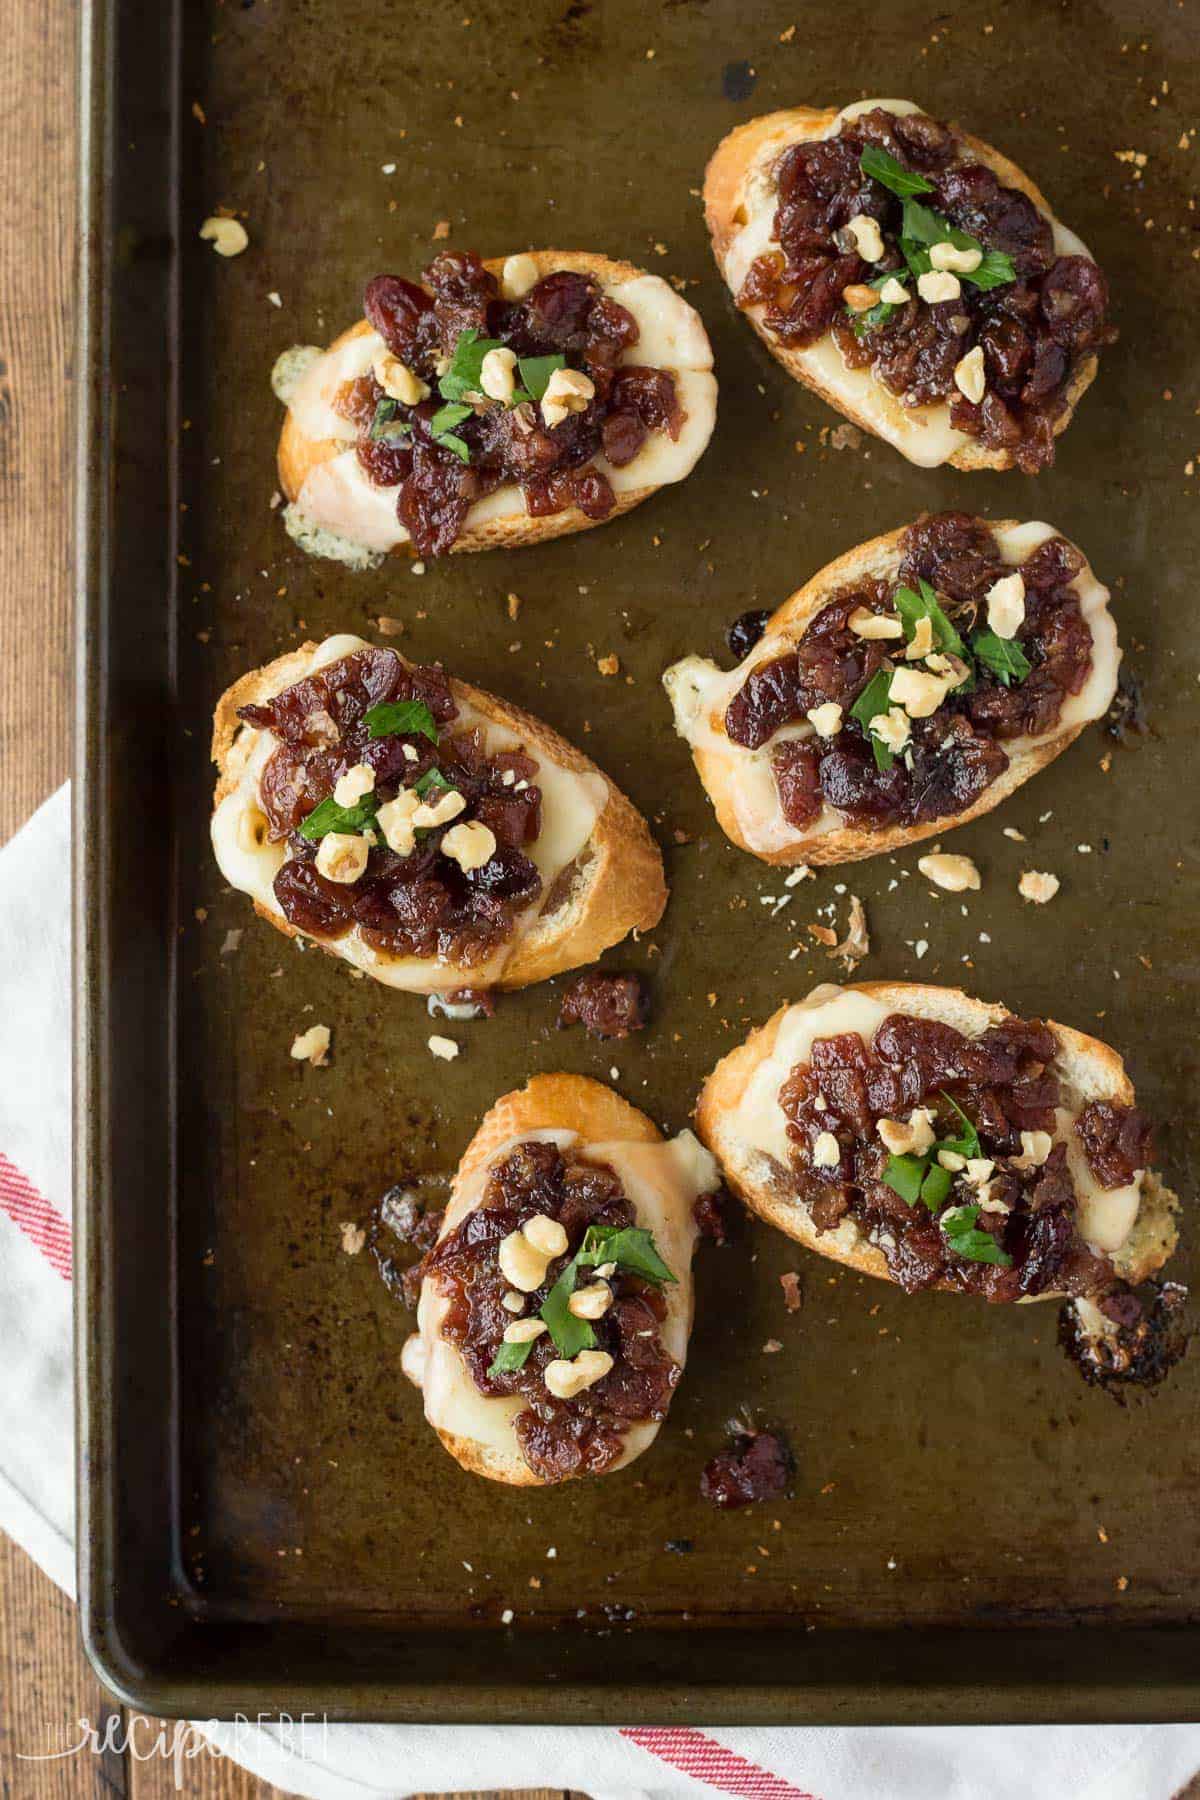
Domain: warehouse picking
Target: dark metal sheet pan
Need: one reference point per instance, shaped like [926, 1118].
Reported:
[265, 1520]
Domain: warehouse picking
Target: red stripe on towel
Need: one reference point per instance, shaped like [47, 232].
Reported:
[33, 1214]
[702, 1758]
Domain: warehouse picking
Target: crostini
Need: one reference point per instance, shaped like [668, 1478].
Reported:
[912, 276]
[430, 834]
[496, 404]
[908, 687]
[556, 1303]
[936, 1141]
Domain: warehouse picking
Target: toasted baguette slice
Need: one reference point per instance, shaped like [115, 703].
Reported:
[739, 204]
[602, 873]
[336, 512]
[738, 1116]
[662, 1180]
[740, 783]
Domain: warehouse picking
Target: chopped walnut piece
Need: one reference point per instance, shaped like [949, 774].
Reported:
[857, 943]
[1038, 885]
[793, 1299]
[953, 873]
[312, 1046]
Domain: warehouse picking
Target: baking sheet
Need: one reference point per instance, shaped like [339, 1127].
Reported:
[257, 1471]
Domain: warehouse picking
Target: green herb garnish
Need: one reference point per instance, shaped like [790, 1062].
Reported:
[432, 782]
[329, 816]
[904, 1175]
[393, 718]
[442, 428]
[511, 1356]
[924, 605]
[571, 1335]
[466, 365]
[966, 1240]
[921, 227]
[870, 703]
[385, 427]
[967, 1142]
[536, 372]
[923, 1177]
[630, 1247]
[882, 166]
[1003, 656]
[935, 1189]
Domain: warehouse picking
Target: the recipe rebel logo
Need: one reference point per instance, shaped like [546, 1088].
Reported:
[181, 1741]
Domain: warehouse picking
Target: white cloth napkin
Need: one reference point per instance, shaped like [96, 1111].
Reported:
[350, 1762]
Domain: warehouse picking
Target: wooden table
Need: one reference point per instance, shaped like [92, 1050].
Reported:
[46, 1686]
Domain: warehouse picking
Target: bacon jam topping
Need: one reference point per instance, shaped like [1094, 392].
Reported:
[941, 1149]
[916, 256]
[555, 1294]
[912, 686]
[474, 392]
[397, 817]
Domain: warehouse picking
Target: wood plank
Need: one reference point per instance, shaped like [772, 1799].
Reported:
[203, 1776]
[46, 1687]
[37, 323]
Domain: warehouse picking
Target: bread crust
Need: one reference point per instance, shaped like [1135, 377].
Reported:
[1094, 1064]
[619, 888]
[299, 454]
[546, 1102]
[878, 557]
[724, 181]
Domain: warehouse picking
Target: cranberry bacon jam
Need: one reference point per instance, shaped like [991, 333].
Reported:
[496, 403]
[421, 829]
[556, 1304]
[939, 1142]
[912, 276]
[910, 686]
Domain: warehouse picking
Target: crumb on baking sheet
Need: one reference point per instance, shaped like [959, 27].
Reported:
[312, 1046]
[1038, 885]
[793, 1297]
[353, 1237]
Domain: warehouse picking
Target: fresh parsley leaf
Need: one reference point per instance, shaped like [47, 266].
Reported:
[571, 1335]
[924, 605]
[511, 1356]
[466, 365]
[935, 1189]
[447, 417]
[905, 1175]
[432, 782]
[629, 1247]
[994, 271]
[459, 446]
[442, 427]
[967, 1241]
[882, 166]
[392, 718]
[1003, 656]
[921, 227]
[385, 424]
[877, 315]
[329, 816]
[967, 1142]
[536, 372]
[872, 701]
